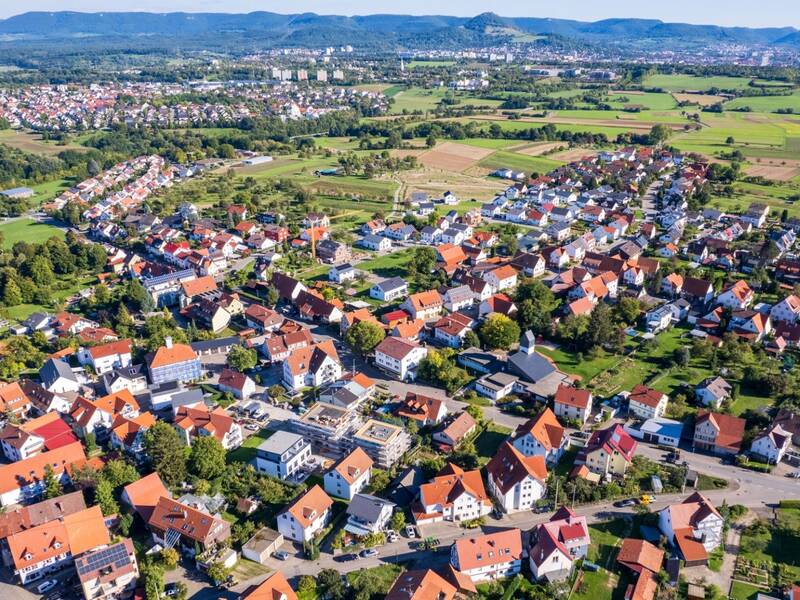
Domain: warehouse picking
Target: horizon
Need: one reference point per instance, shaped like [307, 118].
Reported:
[737, 13]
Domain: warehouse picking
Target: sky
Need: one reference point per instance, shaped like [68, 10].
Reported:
[745, 13]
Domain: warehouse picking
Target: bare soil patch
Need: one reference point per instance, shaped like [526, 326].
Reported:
[701, 99]
[573, 154]
[450, 156]
[403, 152]
[777, 169]
[538, 149]
[436, 182]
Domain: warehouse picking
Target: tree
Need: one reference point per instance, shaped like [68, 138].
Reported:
[331, 585]
[207, 457]
[52, 483]
[242, 359]
[476, 412]
[380, 480]
[628, 309]
[398, 520]
[218, 572]
[272, 296]
[535, 303]
[364, 336]
[169, 558]
[307, 585]
[499, 332]
[601, 327]
[119, 473]
[276, 391]
[12, 296]
[153, 580]
[659, 134]
[439, 367]
[91, 442]
[104, 496]
[422, 261]
[471, 340]
[166, 452]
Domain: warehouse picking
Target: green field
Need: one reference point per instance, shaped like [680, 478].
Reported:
[428, 99]
[650, 100]
[427, 64]
[33, 142]
[767, 104]
[27, 230]
[678, 83]
[519, 162]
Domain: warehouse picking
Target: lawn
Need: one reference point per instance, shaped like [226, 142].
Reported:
[28, 230]
[652, 101]
[774, 543]
[596, 585]
[33, 143]
[606, 538]
[584, 367]
[63, 288]
[489, 441]
[768, 104]
[503, 159]
[247, 451]
[388, 265]
[744, 591]
[386, 575]
[420, 99]
[416, 64]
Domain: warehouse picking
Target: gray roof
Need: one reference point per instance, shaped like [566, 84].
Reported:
[279, 442]
[130, 373]
[186, 398]
[367, 508]
[532, 367]
[391, 284]
[218, 343]
[53, 370]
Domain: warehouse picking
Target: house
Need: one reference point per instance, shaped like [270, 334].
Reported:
[431, 235]
[503, 278]
[421, 584]
[306, 516]
[488, 557]
[455, 431]
[312, 306]
[127, 378]
[452, 495]
[557, 544]
[342, 273]
[143, 495]
[713, 391]
[288, 287]
[53, 546]
[423, 305]
[541, 436]
[718, 433]
[771, 444]
[108, 573]
[644, 560]
[609, 452]
[197, 420]
[14, 400]
[672, 284]
[193, 288]
[694, 527]
[573, 404]
[647, 403]
[697, 291]
[174, 362]
[330, 251]
[282, 455]
[207, 314]
[312, 366]
[236, 383]
[262, 319]
[531, 265]
[173, 523]
[274, 587]
[47, 432]
[458, 298]
[375, 242]
[496, 386]
[516, 481]
[399, 357]
[497, 303]
[375, 227]
[383, 442]
[105, 357]
[349, 476]
[24, 480]
[738, 296]
[661, 431]
[57, 377]
[422, 409]
[451, 329]
[787, 310]
[368, 515]
[128, 434]
[97, 416]
[389, 289]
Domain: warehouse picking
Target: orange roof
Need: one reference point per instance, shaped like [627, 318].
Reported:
[423, 584]
[639, 554]
[116, 402]
[488, 550]
[274, 587]
[690, 548]
[214, 422]
[29, 470]
[509, 467]
[504, 272]
[12, 397]
[545, 428]
[450, 484]
[201, 285]
[144, 493]
[451, 254]
[409, 329]
[362, 380]
[423, 300]
[75, 533]
[166, 356]
[740, 290]
[647, 396]
[675, 280]
[419, 407]
[304, 359]
[310, 506]
[354, 465]
[110, 349]
[572, 396]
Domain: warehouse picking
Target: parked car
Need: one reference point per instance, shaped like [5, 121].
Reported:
[170, 589]
[794, 475]
[625, 503]
[345, 557]
[410, 531]
[46, 586]
[368, 552]
[281, 555]
[544, 508]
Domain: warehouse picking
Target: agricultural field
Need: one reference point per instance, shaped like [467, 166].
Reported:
[33, 143]
[27, 230]
[651, 101]
[428, 99]
[428, 64]
[768, 104]
[680, 83]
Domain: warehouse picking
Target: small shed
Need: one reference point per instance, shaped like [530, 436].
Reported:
[695, 592]
[262, 545]
[655, 483]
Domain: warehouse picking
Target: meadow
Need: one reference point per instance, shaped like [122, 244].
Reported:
[27, 230]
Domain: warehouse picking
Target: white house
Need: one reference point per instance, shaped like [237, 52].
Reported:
[516, 481]
[572, 403]
[541, 436]
[693, 526]
[368, 514]
[57, 377]
[647, 403]
[282, 455]
[772, 444]
[399, 357]
[306, 516]
[787, 310]
[453, 495]
[389, 289]
[557, 544]
[502, 278]
[342, 273]
[712, 391]
[487, 557]
[349, 476]
[106, 357]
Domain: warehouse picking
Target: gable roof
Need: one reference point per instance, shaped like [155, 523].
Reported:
[171, 355]
[145, 493]
[572, 396]
[421, 584]
[509, 466]
[30, 470]
[309, 506]
[488, 550]
[274, 587]
[639, 554]
[354, 465]
[730, 429]
[544, 428]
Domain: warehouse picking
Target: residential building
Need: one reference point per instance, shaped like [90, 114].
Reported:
[306, 516]
[424, 410]
[389, 289]
[400, 357]
[383, 442]
[174, 362]
[173, 523]
[424, 305]
[787, 310]
[608, 452]
[516, 481]
[328, 428]
[108, 573]
[541, 436]
[312, 366]
[282, 455]
[106, 357]
[143, 495]
[557, 544]
[718, 433]
[368, 515]
[56, 376]
[694, 527]
[573, 404]
[342, 273]
[126, 378]
[349, 476]
[198, 420]
[738, 296]
[647, 403]
[488, 557]
[453, 495]
[421, 584]
[713, 391]
[771, 444]
[274, 587]
[236, 383]
[455, 431]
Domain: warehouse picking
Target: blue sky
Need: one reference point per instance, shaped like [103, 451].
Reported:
[745, 13]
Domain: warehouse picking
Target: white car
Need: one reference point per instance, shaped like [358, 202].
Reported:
[46, 586]
[410, 531]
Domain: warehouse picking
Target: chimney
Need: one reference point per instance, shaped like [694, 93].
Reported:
[168, 341]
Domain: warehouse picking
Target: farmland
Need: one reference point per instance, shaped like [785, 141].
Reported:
[33, 142]
[679, 83]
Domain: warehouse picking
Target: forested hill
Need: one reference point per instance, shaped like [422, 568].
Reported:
[364, 30]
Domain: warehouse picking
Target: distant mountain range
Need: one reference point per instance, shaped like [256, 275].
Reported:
[272, 29]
